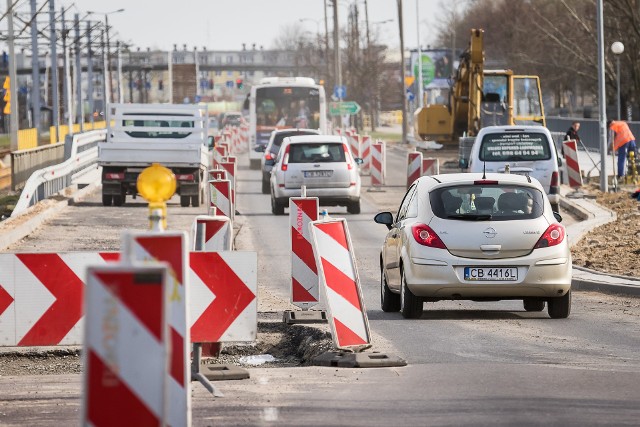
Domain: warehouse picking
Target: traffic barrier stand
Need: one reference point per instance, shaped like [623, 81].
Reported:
[219, 152]
[574, 175]
[230, 165]
[220, 197]
[212, 233]
[126, 346]
[414, 167]
[354, 142]
[304, 273]
[217, 174]
[378, 157]
[170, 247]
[430, 166]
[365, 144]
[338, 275]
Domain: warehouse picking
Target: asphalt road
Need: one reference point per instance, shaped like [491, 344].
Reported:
[469, 363]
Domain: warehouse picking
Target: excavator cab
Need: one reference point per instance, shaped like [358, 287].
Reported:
[527, 101]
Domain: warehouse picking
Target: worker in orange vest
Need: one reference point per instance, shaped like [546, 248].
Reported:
[624, 142]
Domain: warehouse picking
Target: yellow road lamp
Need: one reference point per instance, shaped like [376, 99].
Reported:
[157, 184]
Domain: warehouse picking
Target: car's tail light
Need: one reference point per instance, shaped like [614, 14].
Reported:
[185, 177]
[425, 235]
[553, 236]
[347, 156]
[285, 159]
[114, 175]
[554, 179]
[485, 182]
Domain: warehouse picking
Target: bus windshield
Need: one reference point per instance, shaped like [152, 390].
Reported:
[287, 107]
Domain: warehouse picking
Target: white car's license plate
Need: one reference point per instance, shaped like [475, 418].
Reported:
[485, 274]
[318, 174]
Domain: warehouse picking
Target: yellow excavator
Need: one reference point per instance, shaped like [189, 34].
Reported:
[478, 98]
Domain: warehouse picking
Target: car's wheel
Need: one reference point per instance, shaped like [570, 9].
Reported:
[184, 201]
[195, 201]
[531, 304]
[389, 301]
[107, 199]
[276, 208]
[560, 307]
[354, 207]
[254, 164]
[119, 200]
[410, 305]
[265, 187]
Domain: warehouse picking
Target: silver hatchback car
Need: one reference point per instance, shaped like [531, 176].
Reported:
[324, 165]
[475, 237]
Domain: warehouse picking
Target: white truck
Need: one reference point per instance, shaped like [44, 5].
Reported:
[175, 136]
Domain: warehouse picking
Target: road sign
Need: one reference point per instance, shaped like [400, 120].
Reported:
[342, 108]
[340, 92]
[408, 80]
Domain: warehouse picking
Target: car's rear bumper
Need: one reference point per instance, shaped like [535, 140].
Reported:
[326, 196]
[537, 277]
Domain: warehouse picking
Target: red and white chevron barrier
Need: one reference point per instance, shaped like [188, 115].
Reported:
[219, 152]
[217, 174]
[430, 166]
[304, 273]
[217, 233]
[573, 164]
[220, 197]
[338, 273]
[378, 157]
[41, 296]
[126, 348]
[414, 167]
[365, 144]
[230, 165]
[170, 247]
[354, 142]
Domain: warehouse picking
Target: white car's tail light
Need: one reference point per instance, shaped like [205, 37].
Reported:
[114, 175]
[425, 235]
[285, 159]
[185, 177]
[553, 236]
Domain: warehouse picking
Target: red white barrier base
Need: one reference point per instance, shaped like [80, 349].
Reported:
[340, 359]
[291, 317]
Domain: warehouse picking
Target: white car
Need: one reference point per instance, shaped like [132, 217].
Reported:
[271, 151]
[475, 237]
[324, 165]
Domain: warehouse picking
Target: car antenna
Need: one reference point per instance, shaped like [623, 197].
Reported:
[484, 170]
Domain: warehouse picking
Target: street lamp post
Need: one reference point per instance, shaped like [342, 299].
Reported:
[402, 73]
[617, 48]
[601, 99]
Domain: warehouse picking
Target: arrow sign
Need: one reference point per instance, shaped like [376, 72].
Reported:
[342, 108]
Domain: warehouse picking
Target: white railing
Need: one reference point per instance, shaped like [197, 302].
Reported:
[48, 181]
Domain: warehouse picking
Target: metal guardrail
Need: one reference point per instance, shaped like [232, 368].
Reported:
[25, 162]
[51, 180]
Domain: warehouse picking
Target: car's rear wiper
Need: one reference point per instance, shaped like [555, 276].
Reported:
[470, 217]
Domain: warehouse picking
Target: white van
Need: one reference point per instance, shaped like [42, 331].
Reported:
[528, 150]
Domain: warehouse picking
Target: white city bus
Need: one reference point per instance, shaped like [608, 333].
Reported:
[282, 103]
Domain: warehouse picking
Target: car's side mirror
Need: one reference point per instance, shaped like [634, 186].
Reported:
[463, 163]
[358, 161]
[385, 218]
[269, 162]
[260, 148]
[557, 216]
[210, 142]
[559, 161]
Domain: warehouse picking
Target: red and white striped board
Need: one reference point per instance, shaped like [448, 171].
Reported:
[573, 164]
[41, 297]
[229, 165]
[354, 142]
[217, 233]
[224, 289]
[414, 167]
[126, 346]
[170, 247]
[220, 151]
[217, 174]
[430, 166]
[338, 274]
[365, 144]
[377, 164]
[220, 197]
[304, 273]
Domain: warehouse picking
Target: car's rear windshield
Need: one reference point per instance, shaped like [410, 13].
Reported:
[153, 127]
[487, 202]
[517, 146]
[316, 152]
[280, 136]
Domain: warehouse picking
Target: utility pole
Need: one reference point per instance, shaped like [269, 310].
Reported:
[336, 45]
[326, 43]
[402, 74]
[104, 74]
[14, 121]
[110, 90]
[54, 69]
[66, 82]
[35, 71]
[90, 74]
[420, 81]
[78, 74]
[602, 100]
[120, 89]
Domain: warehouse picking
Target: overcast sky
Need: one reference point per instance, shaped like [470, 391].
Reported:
[226, 24]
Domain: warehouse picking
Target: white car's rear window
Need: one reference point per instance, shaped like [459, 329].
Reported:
[487, 202]
[513, 147]
[316, 152]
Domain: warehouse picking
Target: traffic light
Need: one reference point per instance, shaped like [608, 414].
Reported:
[239, 83]
[7, 96]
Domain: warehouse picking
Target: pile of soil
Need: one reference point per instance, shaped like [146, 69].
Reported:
[615, 247]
